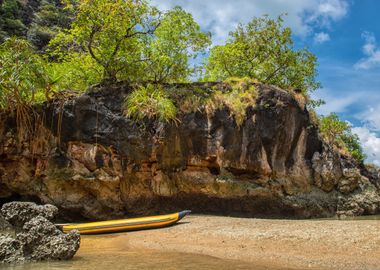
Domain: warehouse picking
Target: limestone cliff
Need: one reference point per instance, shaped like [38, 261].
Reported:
[94, 162]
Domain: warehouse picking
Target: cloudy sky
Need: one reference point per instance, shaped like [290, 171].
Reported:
[342, 33]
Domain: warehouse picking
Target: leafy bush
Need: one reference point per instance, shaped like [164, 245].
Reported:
[237, 99]
[150, 101]
[339, 134]
[22, 73]
[77, 72]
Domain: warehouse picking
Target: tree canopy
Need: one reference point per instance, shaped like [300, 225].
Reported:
[133, 40]
[111, 32]
[176, 41]
[263, 50]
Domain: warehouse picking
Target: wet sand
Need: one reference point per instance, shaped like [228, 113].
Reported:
[224, 243]
[277, 244]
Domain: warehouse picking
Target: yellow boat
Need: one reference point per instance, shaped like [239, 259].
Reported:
[129, 224]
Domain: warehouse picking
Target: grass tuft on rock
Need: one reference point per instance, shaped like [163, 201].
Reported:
[150, 101]
[240, 94]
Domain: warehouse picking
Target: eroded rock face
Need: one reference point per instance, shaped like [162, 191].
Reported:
[36, 238]
[105, 165]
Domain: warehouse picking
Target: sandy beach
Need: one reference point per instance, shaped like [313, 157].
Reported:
[277, 244]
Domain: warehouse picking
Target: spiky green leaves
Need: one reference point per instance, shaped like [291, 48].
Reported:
[152, 102]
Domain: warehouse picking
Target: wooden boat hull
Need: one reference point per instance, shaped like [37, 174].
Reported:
[129, 224]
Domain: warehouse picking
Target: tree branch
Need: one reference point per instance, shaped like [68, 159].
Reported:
[94, 30]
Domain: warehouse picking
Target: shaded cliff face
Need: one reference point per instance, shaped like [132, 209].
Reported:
[105, 165]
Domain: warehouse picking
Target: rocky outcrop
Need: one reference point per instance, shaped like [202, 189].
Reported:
[17, 214]
[34, 237]
[4, 225]
[93, 161]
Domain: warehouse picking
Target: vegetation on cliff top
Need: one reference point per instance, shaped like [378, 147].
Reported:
[72, 44]
[339, 134]
[263, 49]
[132, 40]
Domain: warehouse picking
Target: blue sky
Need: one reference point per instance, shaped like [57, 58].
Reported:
[342, 33]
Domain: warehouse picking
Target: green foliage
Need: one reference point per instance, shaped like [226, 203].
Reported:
[77, 72]
[339, 133]
[315, 103]
[150, 102]
[112, 32]
[234, 94]
[23, 81]
[352, 143]
[177, 40]
[332, 127]
[27, 78]
[263, 50]
[22, 73]
[133, 40]
[240, 94]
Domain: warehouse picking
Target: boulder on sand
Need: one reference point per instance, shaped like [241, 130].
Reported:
[36, 238]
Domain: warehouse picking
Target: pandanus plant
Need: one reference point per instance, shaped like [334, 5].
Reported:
[24, 81]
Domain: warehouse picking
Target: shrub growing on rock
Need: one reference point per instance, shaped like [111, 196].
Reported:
[150, 101]
[339, 134]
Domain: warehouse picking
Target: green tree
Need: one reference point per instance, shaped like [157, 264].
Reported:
[133, 40]
[176, 41]
[263, 50]
[339, 133]
[353, 146]
[112, 32]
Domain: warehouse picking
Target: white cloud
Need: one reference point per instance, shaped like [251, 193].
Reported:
[329, 10]
[221, 17]
[370, 143]
[334, 103]
[371, 52]
[371, 118]
[368, 134]
[321, 37]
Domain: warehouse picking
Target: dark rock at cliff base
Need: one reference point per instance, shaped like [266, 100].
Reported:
[37, 239]
[365, 201]
[18, 213]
